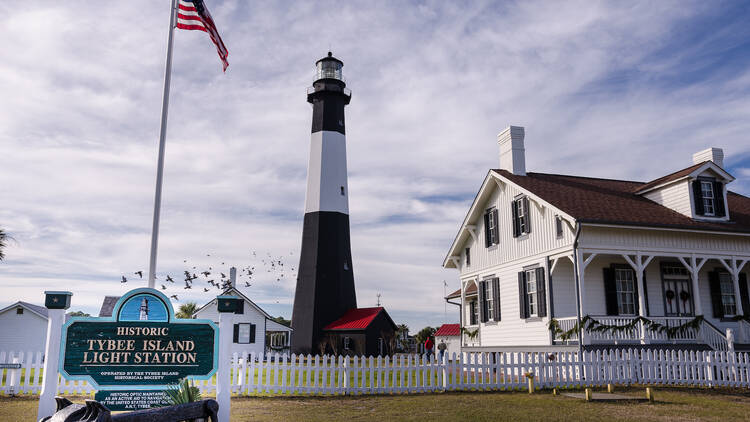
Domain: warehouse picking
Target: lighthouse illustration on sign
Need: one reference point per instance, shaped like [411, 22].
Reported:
[325, 281]
[143, 316]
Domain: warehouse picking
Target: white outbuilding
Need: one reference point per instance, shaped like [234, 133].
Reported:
[23, 328]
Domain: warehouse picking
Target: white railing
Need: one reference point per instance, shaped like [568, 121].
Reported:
[615, 336]
[690, 335]
[338, 375]
[713, 337]
[567, 324]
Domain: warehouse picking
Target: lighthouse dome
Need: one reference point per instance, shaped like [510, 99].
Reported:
[329, 68]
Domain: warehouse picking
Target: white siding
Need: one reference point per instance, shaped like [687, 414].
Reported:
[564, 289]
[541, 239]
[25, 332]
[250, 316]
[633, 239]
[675, 196]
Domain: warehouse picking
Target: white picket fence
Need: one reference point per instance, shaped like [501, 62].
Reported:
[337, 375]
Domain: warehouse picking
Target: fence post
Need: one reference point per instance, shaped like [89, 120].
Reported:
[346, 375]
[730, 340]
[226, 307]
[56, 303]
[15, 377]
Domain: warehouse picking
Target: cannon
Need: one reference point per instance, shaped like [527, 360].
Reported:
[93, 411]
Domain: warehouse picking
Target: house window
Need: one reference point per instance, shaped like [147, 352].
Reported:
[727, 294]
[468, 257]
[19, 311]
[531, 298]
[491, 234]
[558, 226]
[487, 290]
[473, 312]
[625, 284]
[707, 196]
[244, 333]
[347, 343]
[521, 221]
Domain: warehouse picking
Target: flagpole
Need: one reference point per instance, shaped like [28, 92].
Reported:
[162, 139]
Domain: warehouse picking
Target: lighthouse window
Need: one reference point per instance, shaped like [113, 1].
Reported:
[342, 191]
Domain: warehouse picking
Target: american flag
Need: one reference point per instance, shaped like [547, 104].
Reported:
[193, 15]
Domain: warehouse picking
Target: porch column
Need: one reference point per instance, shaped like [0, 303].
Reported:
[639, 266]
[694, 267]
[581, 265]
[462, 317]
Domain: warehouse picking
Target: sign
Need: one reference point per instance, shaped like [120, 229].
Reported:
[10, 366]
[132, 400]
[142, 346]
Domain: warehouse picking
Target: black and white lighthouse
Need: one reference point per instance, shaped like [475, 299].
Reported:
[325, 281]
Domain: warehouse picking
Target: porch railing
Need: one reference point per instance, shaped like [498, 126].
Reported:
[706, 334]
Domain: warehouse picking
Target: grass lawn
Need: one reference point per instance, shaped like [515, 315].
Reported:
[671, 404]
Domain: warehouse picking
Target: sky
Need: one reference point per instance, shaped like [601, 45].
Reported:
[624, 90]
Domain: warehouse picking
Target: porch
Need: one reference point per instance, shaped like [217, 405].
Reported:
[612, 297]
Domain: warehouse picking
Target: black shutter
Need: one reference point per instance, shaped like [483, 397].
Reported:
[719, 199]
[636, 300]
[744, 294]
[698, 197]
[528, 213]
[240, 307]
[487, 239]
[523, 305]
[610, 291]
[514, 212]
[481, 303]
[715, 285]
[252, 333]
[496, 233]
[496, 297]
[236, 333]
[541, 294]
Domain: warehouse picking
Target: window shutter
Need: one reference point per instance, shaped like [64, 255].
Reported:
[744, 294]
[610, 291]
[523, 305]
[496, 233]
[487, 240]
[715, 285]
[496, 297]
[481, 303]
[514, 212]
[528, 213]
[719, 199]
[236, 333]
[541, 294]
[698, 197]
[252, 333]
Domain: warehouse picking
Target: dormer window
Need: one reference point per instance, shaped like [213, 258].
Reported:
[708, 197]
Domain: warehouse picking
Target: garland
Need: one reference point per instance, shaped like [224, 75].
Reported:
[470, 334]
[591, 325]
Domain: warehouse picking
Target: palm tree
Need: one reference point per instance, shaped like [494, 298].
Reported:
[187, 310]
[3, 239]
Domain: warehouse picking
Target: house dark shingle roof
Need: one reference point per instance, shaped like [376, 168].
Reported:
[108, 305]
[670, 177]
[606, 201]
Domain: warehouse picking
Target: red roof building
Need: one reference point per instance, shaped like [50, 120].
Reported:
[362, 331]
[447, 330]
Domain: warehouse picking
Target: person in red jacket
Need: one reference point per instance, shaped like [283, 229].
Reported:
[428, 344]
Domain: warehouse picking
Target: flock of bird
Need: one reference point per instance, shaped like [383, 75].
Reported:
[274, 267]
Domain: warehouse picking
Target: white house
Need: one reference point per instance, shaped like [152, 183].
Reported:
[450, 335]
[600, 253]
[23, 328]
[254, 330]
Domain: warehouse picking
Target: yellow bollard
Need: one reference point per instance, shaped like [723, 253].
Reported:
[650, 394]
[531, 385]
[589, 395]
[554, 391]
[610, 388]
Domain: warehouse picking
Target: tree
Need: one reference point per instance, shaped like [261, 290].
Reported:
[402, 337]
[424, 333]
[3, 238]
[282, 321]
[79, 313]
[187, 310]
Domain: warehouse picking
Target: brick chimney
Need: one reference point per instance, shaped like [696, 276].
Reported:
[710, 154]
[512, 152]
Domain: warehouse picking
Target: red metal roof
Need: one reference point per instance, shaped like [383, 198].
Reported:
[448, 330]
[355, 319]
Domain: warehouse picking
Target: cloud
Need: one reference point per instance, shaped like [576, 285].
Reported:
[625, 90]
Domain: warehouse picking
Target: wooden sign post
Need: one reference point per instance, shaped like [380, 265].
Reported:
[56, 303]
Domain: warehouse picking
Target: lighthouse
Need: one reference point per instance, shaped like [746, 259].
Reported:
[325, 280]
[143, 311]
